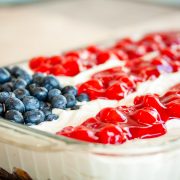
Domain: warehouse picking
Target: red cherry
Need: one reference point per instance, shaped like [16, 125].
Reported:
[137, 51]
[152, 42]
[106, 76]
[155, 131]
[169, 53]
[84, 134]
[72, 66]
[92, 123]
[54, 60]
[169, 93]
[175, 65]
[102, 57]
[128, 80]
[66, 131]
[173, 108]
[117, 91]
[150, 72]
[138, 100]
[146, 115]
[153, 101]
[37, 61]
[43, 68]
[170, 96]
[93, 49]
[58, 70]
[120, 54]
[124, 42]
[144, 132]
[111, 115]
[94, 88]
[96, 84]
[74, 54]
[111, 134]
[157, 61]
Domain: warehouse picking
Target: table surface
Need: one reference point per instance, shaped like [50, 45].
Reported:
[52, 26]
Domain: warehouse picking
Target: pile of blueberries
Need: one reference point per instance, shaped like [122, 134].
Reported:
[29, 99]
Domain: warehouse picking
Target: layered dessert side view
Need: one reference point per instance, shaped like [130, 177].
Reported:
[110, 95]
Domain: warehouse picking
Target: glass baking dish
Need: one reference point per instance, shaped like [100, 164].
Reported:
[46, 156]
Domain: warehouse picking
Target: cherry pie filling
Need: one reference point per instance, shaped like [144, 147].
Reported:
[148, 116]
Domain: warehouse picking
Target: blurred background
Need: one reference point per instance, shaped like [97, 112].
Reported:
[31, 27]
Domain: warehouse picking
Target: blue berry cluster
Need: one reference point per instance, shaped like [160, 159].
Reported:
[29, 99]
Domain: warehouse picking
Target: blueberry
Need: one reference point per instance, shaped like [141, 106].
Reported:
[20, 83]
[76, 107]
[40, 93]
[43, 105]
[31, 87]
[13, 79]
[69, 90]
[7, 87]
[59, 102]
[34, 116]
[38, 78]
[82, 97]
[71, 100]
[8, 69]
[53, 93]
[16, 71]
[4, 76]
[14, 104]
[20, 73]
[1, 109]
[20, 93]
[47, 111]
[30, 103]
[51, 117]
[5, 95]
[26, 77]
[50, 82]
[15, 116]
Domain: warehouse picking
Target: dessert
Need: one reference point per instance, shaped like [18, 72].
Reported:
[101, 81]
[148, 93]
